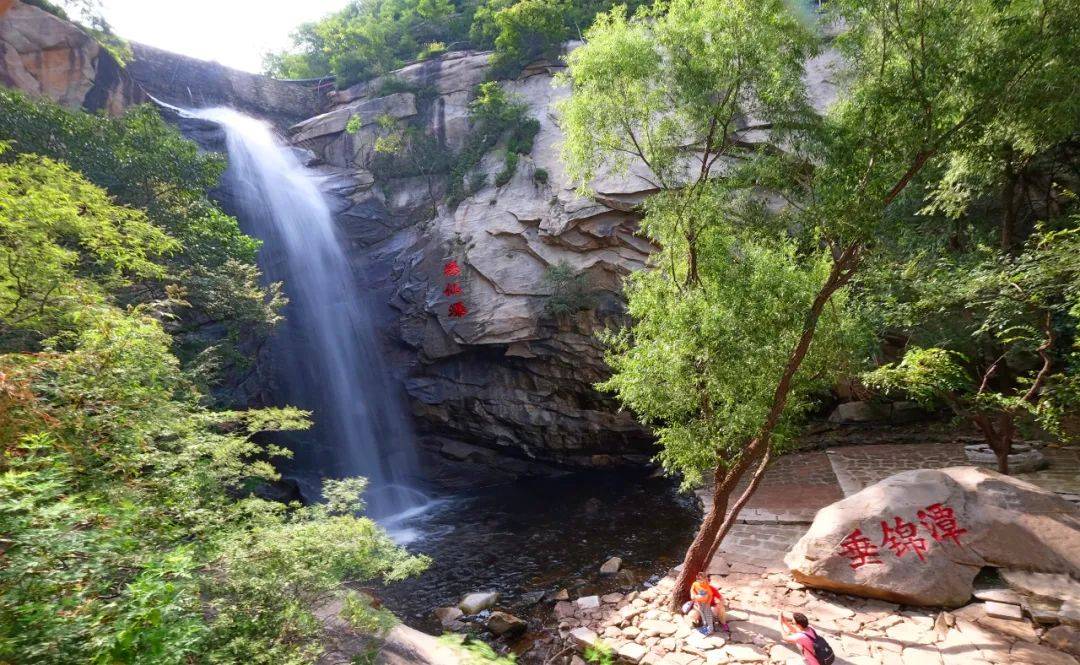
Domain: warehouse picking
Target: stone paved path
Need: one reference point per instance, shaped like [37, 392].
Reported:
[796, 486]
[749, 570]
[639, 629]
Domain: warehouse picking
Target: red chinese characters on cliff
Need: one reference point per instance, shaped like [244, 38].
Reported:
[456, 309]
[901, 537]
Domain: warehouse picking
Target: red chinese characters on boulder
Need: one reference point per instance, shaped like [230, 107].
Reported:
[451, 269]
[941, 522]
[452, 289]
[458, 310]
[902, 537]
[860, 549]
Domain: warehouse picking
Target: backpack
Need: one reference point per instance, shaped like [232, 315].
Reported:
[822, 651]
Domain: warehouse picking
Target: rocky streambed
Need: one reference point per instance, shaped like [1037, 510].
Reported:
[534, 541]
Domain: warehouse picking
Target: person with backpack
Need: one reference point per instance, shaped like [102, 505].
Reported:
[815, 650]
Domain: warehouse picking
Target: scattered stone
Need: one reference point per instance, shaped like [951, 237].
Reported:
[1023, 653]
[658, 627]
[611, 566]
[503, 623]
[742, 653]
[1007, 523]
[588, 602]
[631, 632]
[584, 637]
[998, 596]
[1004, 611]
[611, 598]
[1042, 611]
[561, 594]
[474, 603]
[1021, 629]
[1048, 586]
[564, 610]
[448, 616]
[1069, 613]
[626, 578]
[704, 642]
[632, 652]
[1064, 638]
[612, 632]
[532, 598]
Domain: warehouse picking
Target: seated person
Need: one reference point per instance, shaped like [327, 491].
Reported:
[696, 608]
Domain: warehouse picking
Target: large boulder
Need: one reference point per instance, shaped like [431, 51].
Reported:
[46, 56]
[920, 537]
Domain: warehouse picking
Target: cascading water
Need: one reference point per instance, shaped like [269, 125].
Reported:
[326, 357]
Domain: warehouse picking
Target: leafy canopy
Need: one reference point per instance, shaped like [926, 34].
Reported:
[131, 529]
[144, 164]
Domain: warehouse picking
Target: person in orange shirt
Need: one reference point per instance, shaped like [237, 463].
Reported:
[717, 608]
[702, 595]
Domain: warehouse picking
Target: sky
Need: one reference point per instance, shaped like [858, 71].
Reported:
[233, 32]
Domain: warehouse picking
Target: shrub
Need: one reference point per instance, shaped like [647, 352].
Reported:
[570, 290]
[504, 176]
[540, 176]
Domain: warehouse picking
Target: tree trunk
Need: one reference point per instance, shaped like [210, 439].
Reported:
[1010, 208]
[697, 556]
[740, 503]
[706, 540]
[999, 437]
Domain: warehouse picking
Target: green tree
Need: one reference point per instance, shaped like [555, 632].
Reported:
[131, 532]
[1003, 362]
[925, 81]
[146, 165]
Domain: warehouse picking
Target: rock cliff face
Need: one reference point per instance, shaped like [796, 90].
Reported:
[509, 379]
[507, 387]
[47, 56]
[188, 82]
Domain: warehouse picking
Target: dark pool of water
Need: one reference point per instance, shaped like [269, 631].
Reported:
[542, 535]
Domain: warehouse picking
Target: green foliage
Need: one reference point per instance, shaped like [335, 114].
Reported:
[700, 365]
[475, 652]
[146, 165]
[503, 177]
[525, 31]
[371, 38]
[130, 531]
[1002, 327]
[493, 114]
[63, 243]
[570, 291]
[540, 176]
[600, 654]
[432, 50]
[648, 86]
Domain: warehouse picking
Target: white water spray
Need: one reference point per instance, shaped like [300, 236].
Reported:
[325, 355]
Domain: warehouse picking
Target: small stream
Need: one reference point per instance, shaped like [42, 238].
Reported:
[542, 535]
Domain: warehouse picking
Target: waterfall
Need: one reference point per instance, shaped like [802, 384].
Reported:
[325, 355]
